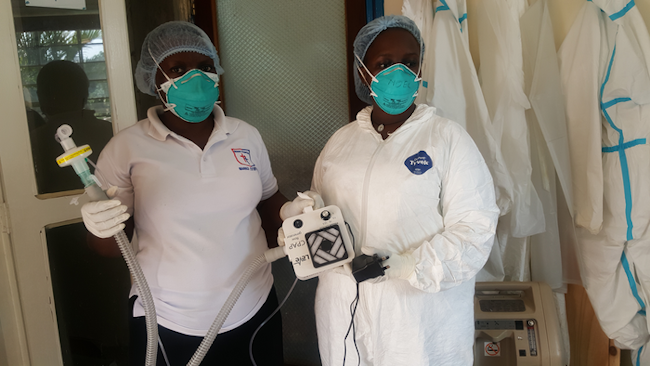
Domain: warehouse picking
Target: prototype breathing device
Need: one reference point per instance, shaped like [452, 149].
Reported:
[316, 241]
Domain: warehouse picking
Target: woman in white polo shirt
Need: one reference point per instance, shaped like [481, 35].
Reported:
[197, 187]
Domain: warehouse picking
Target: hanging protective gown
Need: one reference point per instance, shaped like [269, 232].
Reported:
[421, 13]
[605, 66]
[549, 154]
[549, 139]
[450, 82]
[426, 191]
[502, 82]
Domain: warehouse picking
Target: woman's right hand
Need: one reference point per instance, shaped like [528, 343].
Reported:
[105, 218]
[296, 207]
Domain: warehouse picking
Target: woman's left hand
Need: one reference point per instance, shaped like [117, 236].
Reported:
[400, 266]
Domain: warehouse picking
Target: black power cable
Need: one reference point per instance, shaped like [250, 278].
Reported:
[353, 311]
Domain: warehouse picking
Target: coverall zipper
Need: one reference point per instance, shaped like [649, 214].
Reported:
[364, 226]
[364, 199]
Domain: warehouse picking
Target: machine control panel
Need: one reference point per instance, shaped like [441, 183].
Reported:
[516, 324]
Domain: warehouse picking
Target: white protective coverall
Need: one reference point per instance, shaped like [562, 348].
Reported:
[450, 82]
[424, 191]
[605, 66]
[550, 159]
[549, 141]
[518, 72]
[502, 82]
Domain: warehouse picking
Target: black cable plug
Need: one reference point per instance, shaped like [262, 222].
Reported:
[365, 267]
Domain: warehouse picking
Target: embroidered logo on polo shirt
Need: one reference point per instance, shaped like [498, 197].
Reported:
[419, 163]
[243, 157]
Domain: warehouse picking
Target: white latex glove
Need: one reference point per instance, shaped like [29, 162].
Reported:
[105, 218]
[281, 237]
[344, 270]
[399, 266]
[296, 207]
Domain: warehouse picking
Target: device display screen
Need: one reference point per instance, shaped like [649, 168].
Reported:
[502, 306]
[499, 324]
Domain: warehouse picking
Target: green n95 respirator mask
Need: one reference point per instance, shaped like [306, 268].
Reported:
[394, 89]
[191, 97]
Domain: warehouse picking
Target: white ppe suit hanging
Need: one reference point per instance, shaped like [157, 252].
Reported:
[605, 66]
[443, 216]
[549, 155]
[549, 140]
[502, 83]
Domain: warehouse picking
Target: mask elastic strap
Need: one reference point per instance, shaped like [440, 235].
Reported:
[418, 75]
[161, 70]
[372, 93]
[168, 106]
[368, 71]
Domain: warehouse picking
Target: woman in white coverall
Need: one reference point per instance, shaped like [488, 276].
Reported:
[189, 179]
[414, 187]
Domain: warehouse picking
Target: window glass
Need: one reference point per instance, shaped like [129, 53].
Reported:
[63, 71]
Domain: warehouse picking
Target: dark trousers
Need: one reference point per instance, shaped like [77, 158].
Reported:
[229, 348]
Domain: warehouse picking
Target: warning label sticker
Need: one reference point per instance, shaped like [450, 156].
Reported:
[492, 349]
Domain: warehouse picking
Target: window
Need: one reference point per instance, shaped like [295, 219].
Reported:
[84, 47]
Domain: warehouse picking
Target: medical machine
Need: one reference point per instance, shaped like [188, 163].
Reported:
[316, 241]
[516, 323]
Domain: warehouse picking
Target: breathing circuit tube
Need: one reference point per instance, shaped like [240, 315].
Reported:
[151, 320]
[76, 156]
[269, 256]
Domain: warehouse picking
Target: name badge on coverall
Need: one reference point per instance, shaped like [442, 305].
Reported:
[419, 163]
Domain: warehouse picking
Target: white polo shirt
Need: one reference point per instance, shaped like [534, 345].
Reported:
[195, 216]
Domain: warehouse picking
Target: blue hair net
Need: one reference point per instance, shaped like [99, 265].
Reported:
[367, 35]
[167, 39]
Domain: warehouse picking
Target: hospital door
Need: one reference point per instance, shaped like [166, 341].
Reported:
[60, 303]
